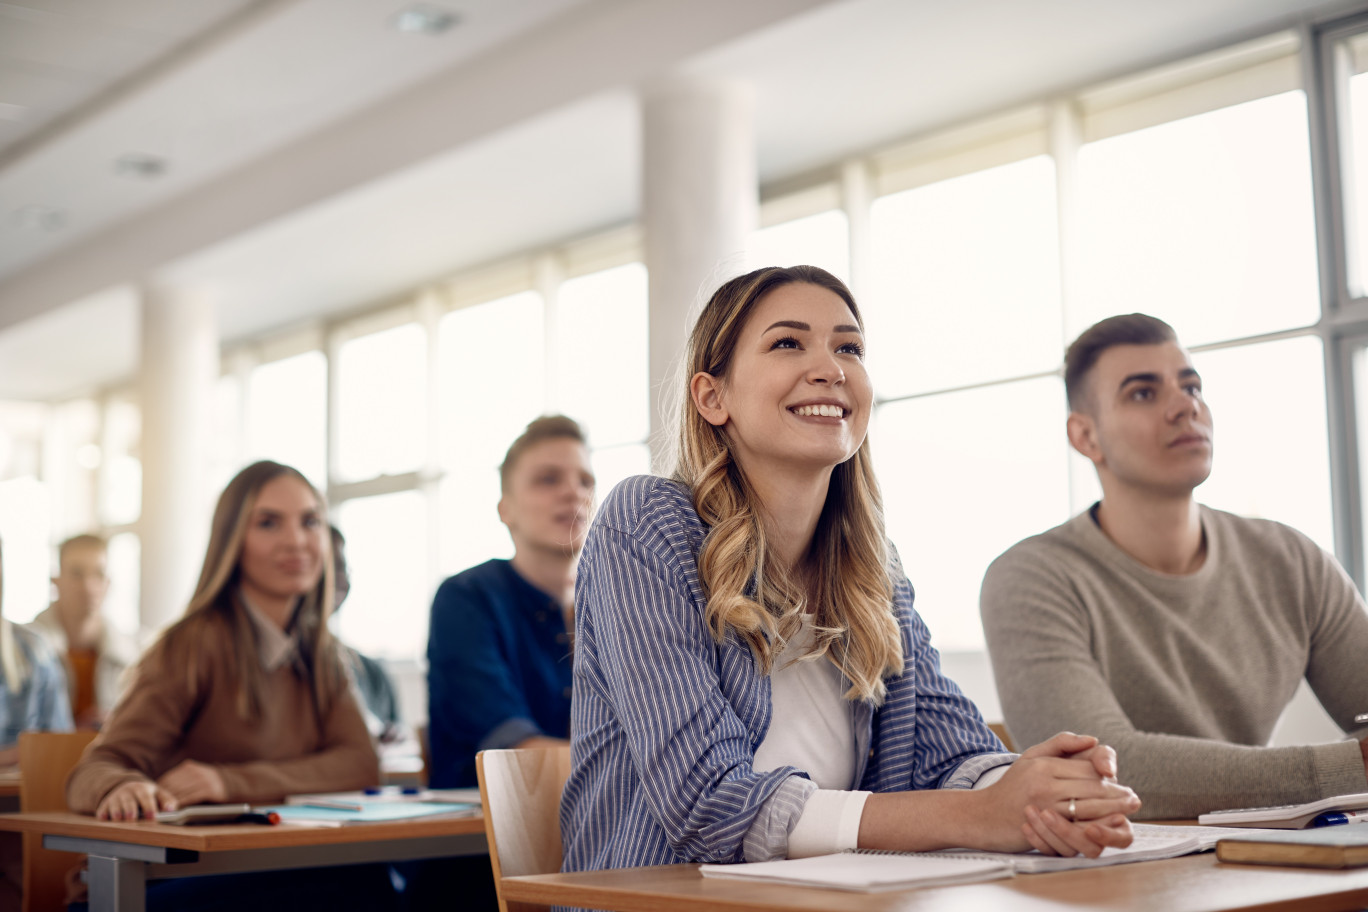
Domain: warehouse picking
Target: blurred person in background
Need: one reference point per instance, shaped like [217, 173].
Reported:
[499, 645]
[33, 696]
[244, 699]
[95, 654]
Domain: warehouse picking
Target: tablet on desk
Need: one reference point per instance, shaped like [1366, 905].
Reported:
[204, 813]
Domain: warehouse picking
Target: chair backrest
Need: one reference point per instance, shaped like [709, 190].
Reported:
[425, 751]
[521, 792]
[1004, 736]
[45, 759]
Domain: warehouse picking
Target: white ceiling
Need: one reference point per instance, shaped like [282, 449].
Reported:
[319, 160]
[238, 90]
[59, 55]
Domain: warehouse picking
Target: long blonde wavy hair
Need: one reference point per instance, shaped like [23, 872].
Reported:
[748, 589]
[216, 608]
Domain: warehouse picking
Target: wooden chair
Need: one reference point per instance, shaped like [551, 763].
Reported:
[45, 759]
[1000, 730]
[425, 751]
[521, 792]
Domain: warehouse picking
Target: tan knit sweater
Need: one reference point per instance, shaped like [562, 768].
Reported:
[1186, 676]
[163, 720]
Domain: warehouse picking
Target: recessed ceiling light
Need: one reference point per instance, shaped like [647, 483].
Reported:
[139, 164]
[38, 219]
[424, 19]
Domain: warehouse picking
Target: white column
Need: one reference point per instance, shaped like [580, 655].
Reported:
[548, 272]
[180, 358]
[857, 196]
[1066, 138]
[699, 208]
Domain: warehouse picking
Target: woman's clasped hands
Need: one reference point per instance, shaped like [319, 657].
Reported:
[1062, 798]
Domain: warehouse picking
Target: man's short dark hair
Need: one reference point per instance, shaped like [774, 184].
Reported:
[76, 542]
[1123, 329]
[547, 427]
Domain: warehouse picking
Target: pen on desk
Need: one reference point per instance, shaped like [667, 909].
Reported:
[270, 818]
[1340, 818]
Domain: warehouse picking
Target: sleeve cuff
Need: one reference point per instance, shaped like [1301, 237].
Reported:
[992, 776]
[830, 823]
[967, 774]
[767, 838]
[1339, 768]
[508, 733]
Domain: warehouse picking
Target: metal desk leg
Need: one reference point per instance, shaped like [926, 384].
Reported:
[117, 884]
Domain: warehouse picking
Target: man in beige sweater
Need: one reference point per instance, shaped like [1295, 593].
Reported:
[1173, 632]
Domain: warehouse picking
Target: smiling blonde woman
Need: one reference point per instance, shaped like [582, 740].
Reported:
[751, 680]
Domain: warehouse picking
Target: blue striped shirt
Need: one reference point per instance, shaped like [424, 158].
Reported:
[665, 721]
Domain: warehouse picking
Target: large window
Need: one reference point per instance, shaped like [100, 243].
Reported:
[966, 281]
[26, 531]
[1205, 222]
[417, 480]
[287, 414]
[602, 378]
[605, 381]
[1268, 409]
[821, 240]
[382, 395]
[1352, 66]
[492, 378]
[965, 475]
[979, 281]
[387, 558]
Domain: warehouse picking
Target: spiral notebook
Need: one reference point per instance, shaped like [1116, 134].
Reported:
[1152, 842]
[868, 871]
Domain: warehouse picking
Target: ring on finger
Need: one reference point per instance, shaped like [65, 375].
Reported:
[1073, 809]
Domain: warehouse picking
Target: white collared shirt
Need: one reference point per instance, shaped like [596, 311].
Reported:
[275, 647]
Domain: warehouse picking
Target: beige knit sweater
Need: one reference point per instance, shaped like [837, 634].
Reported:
[1186, 676]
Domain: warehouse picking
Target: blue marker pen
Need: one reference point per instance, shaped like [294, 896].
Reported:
[1339, 818]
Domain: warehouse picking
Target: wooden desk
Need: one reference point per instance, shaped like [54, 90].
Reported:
[124, 856]
[1193, 883]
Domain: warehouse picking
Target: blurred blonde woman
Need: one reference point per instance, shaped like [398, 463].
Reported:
[244, 699]
[34, 694]
[751, 679]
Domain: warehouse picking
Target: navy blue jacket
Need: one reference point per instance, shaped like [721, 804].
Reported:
[499, 669]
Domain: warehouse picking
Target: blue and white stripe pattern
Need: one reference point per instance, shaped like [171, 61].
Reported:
[665, 721]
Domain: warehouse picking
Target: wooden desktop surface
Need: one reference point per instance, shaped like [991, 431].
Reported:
[233, 836]
[1193, 883]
